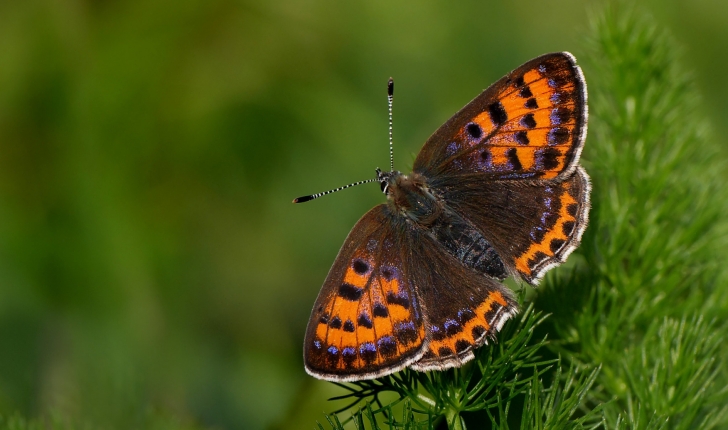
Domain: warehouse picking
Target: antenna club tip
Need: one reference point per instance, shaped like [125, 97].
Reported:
[302, 199]
[390, 87]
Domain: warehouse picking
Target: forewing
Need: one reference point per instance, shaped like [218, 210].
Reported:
[367, 320]
[529, 124]
[464, 308]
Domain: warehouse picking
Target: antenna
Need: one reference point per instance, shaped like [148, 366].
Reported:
[317, 195]
[390, 96]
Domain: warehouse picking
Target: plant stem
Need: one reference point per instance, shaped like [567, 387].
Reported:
[454, 420]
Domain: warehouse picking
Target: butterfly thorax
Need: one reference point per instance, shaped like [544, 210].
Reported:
[409, 196]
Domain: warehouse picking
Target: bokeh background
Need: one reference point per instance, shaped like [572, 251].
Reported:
[153, 271]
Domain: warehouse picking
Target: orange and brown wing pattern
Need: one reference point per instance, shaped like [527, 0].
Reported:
[533, 226]
[463, 308]
[453, 341]
[559, 229]
[530, 124]
[367, 320]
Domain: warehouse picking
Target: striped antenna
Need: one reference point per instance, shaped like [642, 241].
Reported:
[315, 196]
[390, 97]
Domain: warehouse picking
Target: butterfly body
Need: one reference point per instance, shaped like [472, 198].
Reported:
[496, 191]
[410, 197]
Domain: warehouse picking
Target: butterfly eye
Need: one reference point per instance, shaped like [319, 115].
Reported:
[385, 186]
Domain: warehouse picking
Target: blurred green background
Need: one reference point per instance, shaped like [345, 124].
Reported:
[153, 271]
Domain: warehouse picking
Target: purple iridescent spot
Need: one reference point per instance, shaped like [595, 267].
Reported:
[410, 325]
[452, 148]
[389, 273]
[548, 190]
[553, 83]
[544, 216]
[317, 344]
[452, 327]
[547, 202]
[367, 347]
[387, 346]
[556, 98]
[348, 351]
[435, 329]
[333, 350]
[371, 245]
[555, 117]
[542, 68]
[386, 341]
[450, 324]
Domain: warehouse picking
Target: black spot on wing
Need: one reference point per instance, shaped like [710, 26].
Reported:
[350, 292]
[335, 323]
[452, 327]
[349, 355]
[405, 332]
[528, 121]
[568, 228]
[478, 332]
[572, 209]
[474, 130]
[555, 245]
[368, 352]
[462, 345]
[444, 351]
[498, 114]
[398, 299]
[558, 136]
[364, 320]
[465, 315]
[492, 314]
[387, 346]
[360, 266]
[522, 137]
[380, 310]
[548, 158]
[332, 355]
[536, 259]
[560, 115]
[513, 160]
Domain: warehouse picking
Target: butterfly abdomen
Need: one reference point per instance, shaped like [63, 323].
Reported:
[464, 242]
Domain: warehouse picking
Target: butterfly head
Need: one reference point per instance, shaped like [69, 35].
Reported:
[387, 179]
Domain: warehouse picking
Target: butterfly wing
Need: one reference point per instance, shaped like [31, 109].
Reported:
[529, 124]
[463, 308]
[533, 225]
[367, 321]
[508, 162]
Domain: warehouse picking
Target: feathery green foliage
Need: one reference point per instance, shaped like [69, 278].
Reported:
[634, 342]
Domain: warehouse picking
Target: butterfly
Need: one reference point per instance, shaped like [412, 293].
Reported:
[495, 191]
